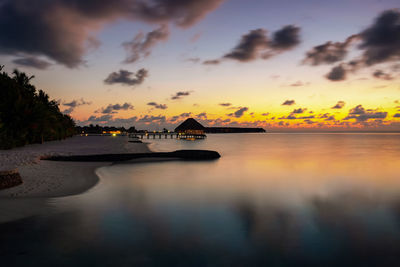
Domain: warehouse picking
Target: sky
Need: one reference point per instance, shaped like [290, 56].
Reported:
[306, 65]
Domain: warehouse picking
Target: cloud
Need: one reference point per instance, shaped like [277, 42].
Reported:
[397, 115]
[152, 119]
[337, 73]
[329, 52]
[103, 118]
[298, 83]
[202, 115]
[239, 113]
[141, 45]
[195, 37]
[181, 116]
[225, 104]
[250, 46]
[212, 62]
[159, 106]
[256, 44]
[299, 111]
[63, 30]
[185, 114]
[193, 60]
[124, 77]
[360, 114]
[289, 103]
[286, 38]
[339, 105]
[179, 95]
[74, 104]
[293, 117]
[116, 107]
[381, 41]
[32, 62]
[379, 74]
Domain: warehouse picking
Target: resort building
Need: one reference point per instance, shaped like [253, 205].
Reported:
[190, 129]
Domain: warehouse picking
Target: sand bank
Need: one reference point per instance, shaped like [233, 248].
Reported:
[57, 179]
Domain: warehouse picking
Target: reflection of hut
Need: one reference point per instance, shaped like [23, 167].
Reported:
[190, 129]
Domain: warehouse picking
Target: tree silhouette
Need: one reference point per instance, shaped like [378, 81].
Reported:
[28, 116]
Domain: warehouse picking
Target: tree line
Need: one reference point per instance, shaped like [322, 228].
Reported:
[27, 115]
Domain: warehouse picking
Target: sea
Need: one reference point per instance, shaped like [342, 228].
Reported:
[272, 199]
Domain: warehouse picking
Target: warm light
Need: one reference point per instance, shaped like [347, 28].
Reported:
[114, 134]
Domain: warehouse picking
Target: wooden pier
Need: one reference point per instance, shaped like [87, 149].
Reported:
[170, 135]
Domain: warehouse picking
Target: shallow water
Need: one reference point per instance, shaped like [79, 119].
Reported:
[271, 199]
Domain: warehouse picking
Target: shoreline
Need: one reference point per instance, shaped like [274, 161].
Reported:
[51, 179]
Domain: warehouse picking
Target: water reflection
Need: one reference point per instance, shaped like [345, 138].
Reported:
[307, 200]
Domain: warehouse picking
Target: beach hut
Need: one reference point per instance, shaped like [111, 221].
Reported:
[190, 129]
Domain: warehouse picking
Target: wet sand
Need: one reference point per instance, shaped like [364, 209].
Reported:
[57, 179]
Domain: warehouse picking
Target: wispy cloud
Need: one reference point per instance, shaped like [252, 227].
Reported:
[158, 106]
[180, 94]
[141, 45]
[114, 108]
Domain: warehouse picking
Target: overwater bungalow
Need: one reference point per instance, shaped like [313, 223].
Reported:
[190, 129]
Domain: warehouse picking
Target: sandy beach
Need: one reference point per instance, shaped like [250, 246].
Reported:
[43, 179]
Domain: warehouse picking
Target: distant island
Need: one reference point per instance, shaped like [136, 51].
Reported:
[233, 130]
[191, 126]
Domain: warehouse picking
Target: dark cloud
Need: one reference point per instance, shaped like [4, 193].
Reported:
[32, 62]
[179, 95]
[293, 117]
[124, 77]
[159, 106]
[225, 104]
[339, 105]
[288, 103]
[152, 119]
[74, 104]
[360, 114]
[286, 38]
[397, 115]
[330, 52]
[265, 114]
[330, 118]
[239, 113]
[299, 110]
[337, 73]
[181, 116]
[77, 103]
[62, 30]
[379, 74]
[103, 118]
[142, 44]
[114, 108]
[256, 44]
[250, 46]
[202, 115]
[381, 41]
[185, 114]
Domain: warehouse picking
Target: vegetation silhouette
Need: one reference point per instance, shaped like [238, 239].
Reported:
[28, 116]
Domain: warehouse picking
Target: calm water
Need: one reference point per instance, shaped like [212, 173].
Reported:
[271, 200]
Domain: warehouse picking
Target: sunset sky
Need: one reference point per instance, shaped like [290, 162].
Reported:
[278, 64]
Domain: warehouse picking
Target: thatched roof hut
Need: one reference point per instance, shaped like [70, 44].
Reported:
[190, 126]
